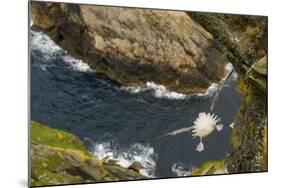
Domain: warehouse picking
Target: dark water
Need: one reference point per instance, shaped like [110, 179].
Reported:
[66, 95]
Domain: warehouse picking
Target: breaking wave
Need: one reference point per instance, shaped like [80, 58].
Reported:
[137, 152]
[51, 51]
[43, 43]
[77, 64]
[160, 91]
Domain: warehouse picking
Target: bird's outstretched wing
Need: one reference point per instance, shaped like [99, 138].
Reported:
[173, 133]
[223, 81]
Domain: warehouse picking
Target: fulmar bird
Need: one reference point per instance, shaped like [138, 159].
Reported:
[204, 125]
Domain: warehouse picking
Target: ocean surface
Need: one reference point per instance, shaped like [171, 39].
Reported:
[118, 121]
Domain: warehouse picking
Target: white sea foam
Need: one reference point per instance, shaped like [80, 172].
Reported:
[180, 170]
[50, 50]
[133, 89]
[161, 91]
[234, 76]
[229, 67]
[126, 156]
[76, 64]
[158, 91]
[42, 42]
[212, 89]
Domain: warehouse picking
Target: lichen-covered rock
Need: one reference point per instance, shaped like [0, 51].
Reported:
[210, 168]
[134, 46]
[244, 39]
[261, 66]
[258, 73]
[58, 157]
[249, 135]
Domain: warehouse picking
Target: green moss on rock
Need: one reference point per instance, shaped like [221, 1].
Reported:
[249, 135]
[209, 168]
[41, 134]
[60, 158]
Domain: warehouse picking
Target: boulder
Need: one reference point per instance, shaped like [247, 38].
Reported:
[261, 66]
[112, 162]
[136, 166]
[258, 73]
[134, 46]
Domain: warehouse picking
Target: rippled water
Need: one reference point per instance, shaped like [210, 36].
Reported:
[116, 122]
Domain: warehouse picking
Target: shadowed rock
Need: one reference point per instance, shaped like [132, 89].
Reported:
[244, 40]
[136, 166]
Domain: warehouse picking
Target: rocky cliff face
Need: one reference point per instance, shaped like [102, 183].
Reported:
[58, 157]
[134, 46]
[244, 39]
[184, 52]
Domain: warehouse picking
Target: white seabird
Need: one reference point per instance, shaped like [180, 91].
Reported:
[204, 125]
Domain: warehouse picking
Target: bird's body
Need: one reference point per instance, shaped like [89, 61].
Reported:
[204, 125]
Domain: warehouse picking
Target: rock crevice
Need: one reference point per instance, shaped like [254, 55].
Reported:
[244, 40]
